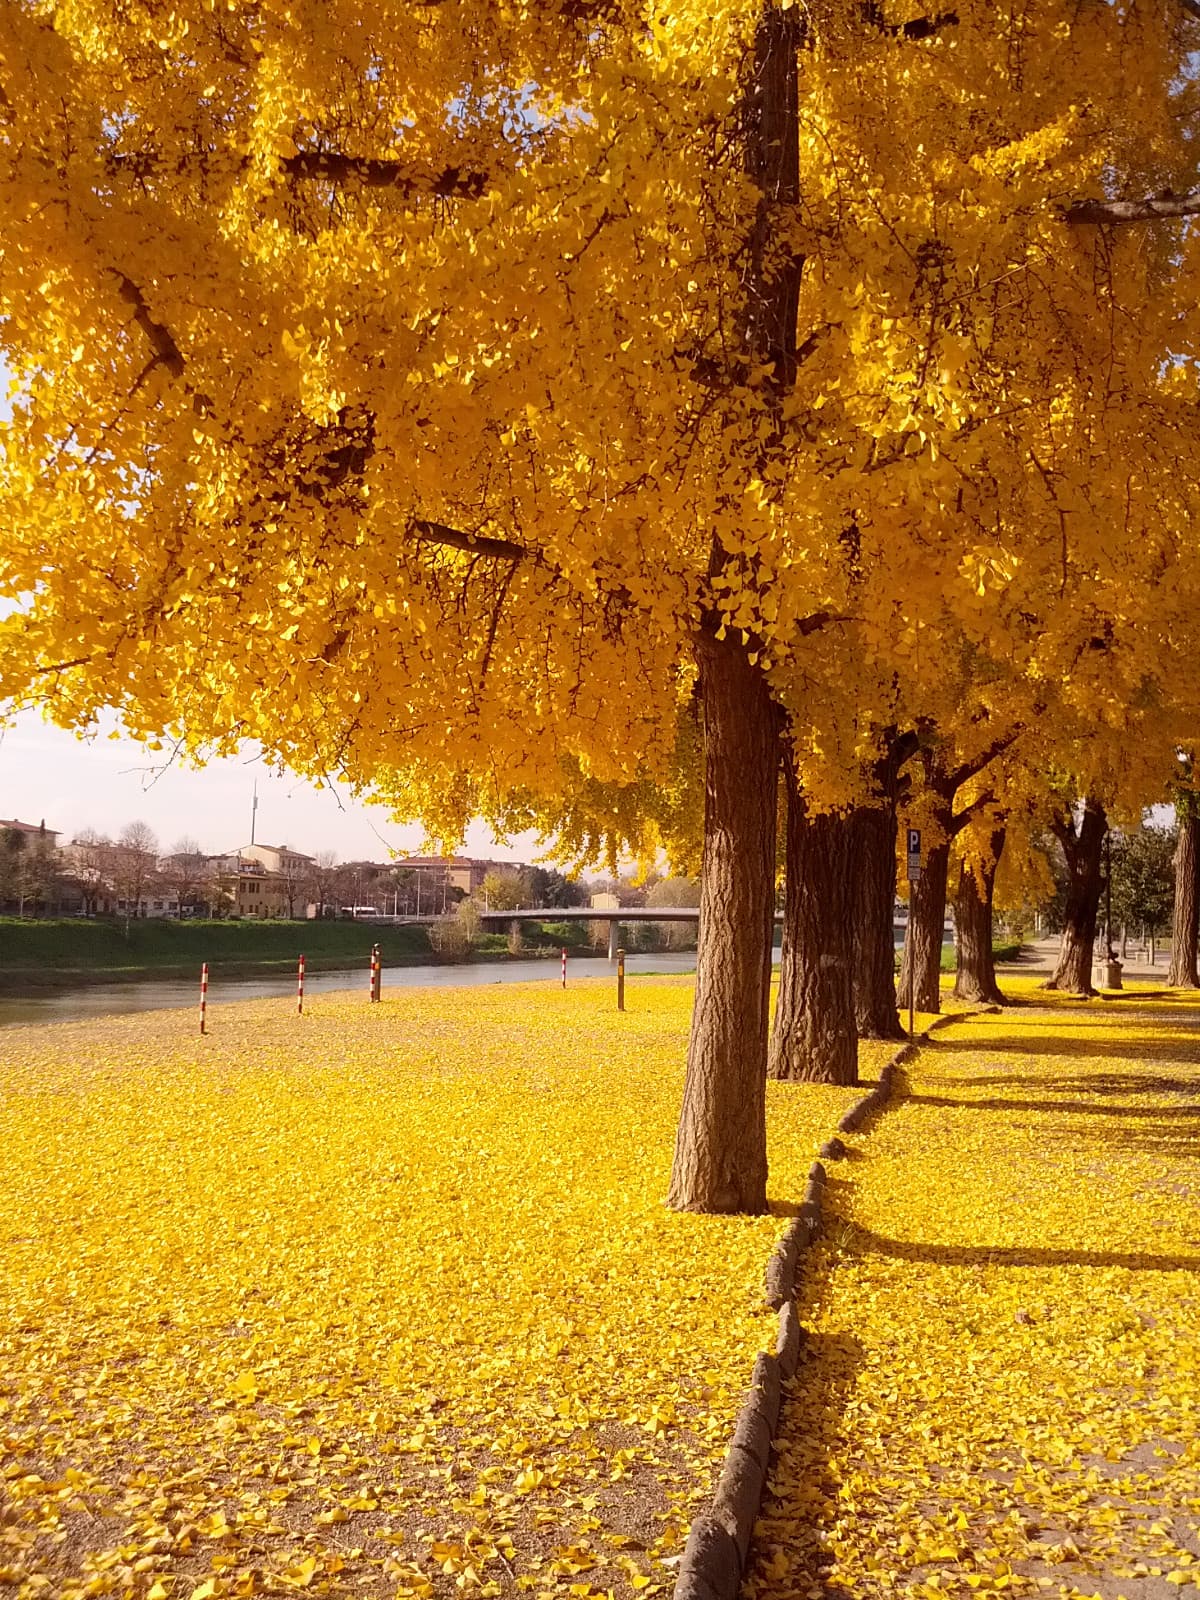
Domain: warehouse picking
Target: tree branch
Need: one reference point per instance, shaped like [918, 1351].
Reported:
[818, 620]
[1150, 208]
[960, 819]
[972, 768]
[918, 28]
[1063, 829]
[426, 532]
[157, 334]
[372, 173]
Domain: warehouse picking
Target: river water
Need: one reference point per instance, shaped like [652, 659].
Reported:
[157, 994]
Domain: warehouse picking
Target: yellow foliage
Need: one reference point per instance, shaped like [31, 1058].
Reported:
[381, 1299]
[388, 388]
[1000, 1391]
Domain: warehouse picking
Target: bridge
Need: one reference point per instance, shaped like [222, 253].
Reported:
[615, 918]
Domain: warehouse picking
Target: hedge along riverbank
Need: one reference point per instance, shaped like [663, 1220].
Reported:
[72, 951]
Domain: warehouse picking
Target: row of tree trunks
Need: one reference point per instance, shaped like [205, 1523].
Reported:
[975, 977]
[814, 1038]
[1082, 841]
[921, 964]
[1185, 924]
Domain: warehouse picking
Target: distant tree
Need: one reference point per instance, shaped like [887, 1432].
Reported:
[91, 858]
[630, 891]
[1143, 887]
[12, 852]
[675, 892]
[321, 882]
[360, 883]
[28, 870]
[38, 872]
[295, 877]
[402, 889]
[548, 887]
[505, 890]
[135, 867]
[185, 873]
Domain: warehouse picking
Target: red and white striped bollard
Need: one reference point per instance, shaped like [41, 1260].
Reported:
[564, 969]
[300, 989]
[204, 998]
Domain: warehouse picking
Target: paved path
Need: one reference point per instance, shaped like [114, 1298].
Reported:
[1002, 1385]
[1041, 956]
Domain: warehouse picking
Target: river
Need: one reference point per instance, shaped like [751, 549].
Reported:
[158, 994]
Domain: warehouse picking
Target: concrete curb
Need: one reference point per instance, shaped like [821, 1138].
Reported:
[718, 1543]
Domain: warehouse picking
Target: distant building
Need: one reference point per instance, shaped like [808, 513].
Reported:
[439, 874]
[278, 858]
[246, 887]
[605, 900]
[153, 903]
[36, 830]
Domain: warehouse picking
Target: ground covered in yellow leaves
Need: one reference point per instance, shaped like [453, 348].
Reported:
[381, 1300]
[1002, 1386]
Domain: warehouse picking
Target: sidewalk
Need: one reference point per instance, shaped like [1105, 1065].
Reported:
[1040, 956]
[1002, 1382]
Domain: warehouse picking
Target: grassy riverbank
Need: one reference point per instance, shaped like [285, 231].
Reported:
[74, 951]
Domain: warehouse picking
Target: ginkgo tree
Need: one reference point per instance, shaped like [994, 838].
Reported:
[442, 394]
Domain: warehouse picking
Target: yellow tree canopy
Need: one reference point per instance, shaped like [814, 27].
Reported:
[392, 381]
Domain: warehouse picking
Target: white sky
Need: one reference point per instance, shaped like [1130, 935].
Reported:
[47, 773]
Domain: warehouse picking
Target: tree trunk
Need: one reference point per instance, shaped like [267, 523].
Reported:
[975, 978]
[873, 864]
[1185, 922]
[922, 959]
[815, 1039]
[1083, 848]
[874, 868]
[721, 1146]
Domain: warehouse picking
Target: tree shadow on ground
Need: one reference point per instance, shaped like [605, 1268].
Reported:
[1182, 1045]
[955, 1255]
[1188, 1113]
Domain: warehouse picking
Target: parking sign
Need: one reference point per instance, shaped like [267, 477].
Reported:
[914, 854]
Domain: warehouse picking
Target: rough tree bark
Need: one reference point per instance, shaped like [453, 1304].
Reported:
[921, 963]
[922, 957]
[1083, 846]
[1185, 919]
[720, 1150]
[814, 1039]
[721, 1145]
[873, 841]
[975, 978]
